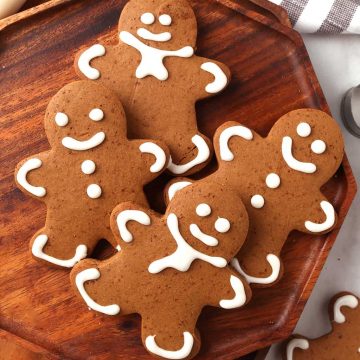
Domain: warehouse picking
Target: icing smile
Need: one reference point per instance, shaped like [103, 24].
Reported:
[73, 144]
[148, 35]
[307, 168]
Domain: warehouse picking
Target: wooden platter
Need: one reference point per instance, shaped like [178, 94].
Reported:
[272, 75]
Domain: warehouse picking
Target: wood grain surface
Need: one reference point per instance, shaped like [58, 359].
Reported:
[272, 75]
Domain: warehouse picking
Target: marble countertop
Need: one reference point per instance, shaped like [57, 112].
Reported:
[336, 60]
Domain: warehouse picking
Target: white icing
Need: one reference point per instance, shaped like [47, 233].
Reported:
[147, 18]
[240, 296]
[165, 20]
[222, 225]
[182, 353]
[96, 114]
[148, 35]
[203, 210]
[274, 262]
[85, 59]
[174, 188]
[308, 168]
[303, 129]
[220, 81]
[329, 211]
[37, 251]
[202, 156]
[205, 238]
[152, 59]
[296, 343]
[227, 134]
[257, 201]
[28, 166]
[130, 215]
[184, 255]
[118, 247]
[94, 191]
[90, 275]
[61, 119]
[318, 147]
[273, 181]
[77, 145]
[347, 300]
[88, 167]
[158, 152]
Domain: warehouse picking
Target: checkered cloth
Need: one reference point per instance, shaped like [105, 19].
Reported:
[326, 16]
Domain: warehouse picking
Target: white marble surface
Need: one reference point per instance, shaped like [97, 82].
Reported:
[336, 60]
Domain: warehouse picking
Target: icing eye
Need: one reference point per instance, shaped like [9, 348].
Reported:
[96, 114]
[318, 147]
[147, 18]
[88, 167]
[61, 119]
[273, 181]
[203, 210]
[165, 20]
[257, 201]
[303, 129]
[222, 225]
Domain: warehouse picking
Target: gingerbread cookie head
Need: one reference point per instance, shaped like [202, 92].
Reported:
[162, 24]
[168, 269]
[343, 342]
[86, 173]
[81, 117]
[311, 145]
[207, 224]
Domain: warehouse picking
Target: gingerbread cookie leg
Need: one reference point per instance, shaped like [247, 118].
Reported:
[274, 263]
[203, 155]
[64, 251]
[171, 334]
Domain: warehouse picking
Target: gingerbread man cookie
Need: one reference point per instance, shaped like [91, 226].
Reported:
[279, 178]
[343, 342]
[86, 173]
[158, 78]
[169, 267]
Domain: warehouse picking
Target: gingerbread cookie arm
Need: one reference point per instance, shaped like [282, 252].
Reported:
[89, 280]
[319, 216]
[126, 219]
[213, 77]
[30, 175]
[174, 186]
[229, 290]
[155, 157]
[85, 65]
[226, 135]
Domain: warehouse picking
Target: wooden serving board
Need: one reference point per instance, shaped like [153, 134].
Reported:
[272, 75]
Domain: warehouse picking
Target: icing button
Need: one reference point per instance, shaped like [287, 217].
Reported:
[88, 167]
[94, 191]
[273, 181]
[257, 201]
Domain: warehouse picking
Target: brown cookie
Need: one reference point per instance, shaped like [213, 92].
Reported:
[170, 266]
[91, 167]
[279, 178]
[158, 78]
[343, 342]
